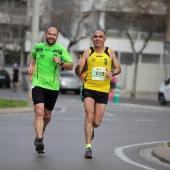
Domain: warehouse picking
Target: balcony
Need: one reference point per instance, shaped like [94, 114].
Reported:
[12, 12]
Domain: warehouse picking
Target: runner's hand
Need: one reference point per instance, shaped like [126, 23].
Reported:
[80, 61]
[57, 60]
[109, 73]
[30, 69]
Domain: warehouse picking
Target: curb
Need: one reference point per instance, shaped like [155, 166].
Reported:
[162, 152]
[16, 110]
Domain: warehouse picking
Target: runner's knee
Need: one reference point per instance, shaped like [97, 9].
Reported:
[96, 124]
[89, 118]
[47, 116]
[39, 112]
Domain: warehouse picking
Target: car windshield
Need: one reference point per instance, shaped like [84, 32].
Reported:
[3, 72]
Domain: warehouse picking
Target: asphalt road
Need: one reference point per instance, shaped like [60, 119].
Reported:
[125, 131]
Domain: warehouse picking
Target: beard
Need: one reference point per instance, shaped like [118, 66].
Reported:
[50, 43]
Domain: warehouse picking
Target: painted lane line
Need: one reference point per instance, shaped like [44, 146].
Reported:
[109, 114]
[144, 106]
[144, 120]
[121, 155]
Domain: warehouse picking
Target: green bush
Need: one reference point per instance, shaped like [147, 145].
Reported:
[5, 103]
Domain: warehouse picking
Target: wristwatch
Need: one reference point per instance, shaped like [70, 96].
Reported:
[61, 63]
[113, 73]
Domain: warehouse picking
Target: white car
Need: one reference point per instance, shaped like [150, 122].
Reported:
[69, 82]
[164, 92]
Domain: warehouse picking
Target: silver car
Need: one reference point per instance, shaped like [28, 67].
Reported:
[69, 82]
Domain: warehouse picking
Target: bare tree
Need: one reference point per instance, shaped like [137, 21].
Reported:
[69, 20]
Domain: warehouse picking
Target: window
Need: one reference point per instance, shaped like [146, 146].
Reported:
[150, 58]
[126, 58]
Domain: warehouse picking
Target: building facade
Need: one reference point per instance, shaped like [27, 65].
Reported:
[13, 23]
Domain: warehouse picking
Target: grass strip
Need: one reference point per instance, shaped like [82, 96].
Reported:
[6, 103]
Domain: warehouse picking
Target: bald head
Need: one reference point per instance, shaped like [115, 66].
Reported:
[51, 35]
[52, 28]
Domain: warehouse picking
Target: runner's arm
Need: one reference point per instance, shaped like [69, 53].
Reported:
[81, 63]
[68, 66]
[31, 65]
[115, 63]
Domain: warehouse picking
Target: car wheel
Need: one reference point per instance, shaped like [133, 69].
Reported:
[8, 85]
[162, 99]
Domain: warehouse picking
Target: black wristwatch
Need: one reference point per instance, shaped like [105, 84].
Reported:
[113, 73]
[61, 63]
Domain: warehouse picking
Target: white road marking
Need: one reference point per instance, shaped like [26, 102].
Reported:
[109, 114]
[112, 119]
[144, 106]
[120, 154]
[144, 120]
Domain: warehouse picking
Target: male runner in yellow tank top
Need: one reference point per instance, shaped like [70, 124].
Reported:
[98, 61]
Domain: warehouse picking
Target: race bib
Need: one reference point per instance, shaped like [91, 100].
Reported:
[98, 73]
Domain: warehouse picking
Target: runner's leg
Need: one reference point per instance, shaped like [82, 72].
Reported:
[88, 127]
[98, 114]
[47, 117]
[38, 121]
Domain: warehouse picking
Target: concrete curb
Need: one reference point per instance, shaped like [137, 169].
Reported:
[162, 152]
[16, 110]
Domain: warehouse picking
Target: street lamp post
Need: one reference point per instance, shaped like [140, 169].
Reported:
[35, 23]
[167, 40]
[34, 33]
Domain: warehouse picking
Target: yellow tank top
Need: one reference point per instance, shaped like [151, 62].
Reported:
[97, 64]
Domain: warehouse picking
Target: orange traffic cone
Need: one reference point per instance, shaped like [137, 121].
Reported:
[110, 96]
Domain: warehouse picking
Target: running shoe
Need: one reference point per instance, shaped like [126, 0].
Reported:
[36, 139]
[41, 152]
[92, 136]
[40, 146]
[88, 153]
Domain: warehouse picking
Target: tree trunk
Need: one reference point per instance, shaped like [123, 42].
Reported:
[134, 79]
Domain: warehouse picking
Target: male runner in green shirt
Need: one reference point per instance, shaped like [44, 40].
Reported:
[44, 66]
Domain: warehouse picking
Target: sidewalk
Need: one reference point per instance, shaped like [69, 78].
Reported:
[16, 110]
[140, 95]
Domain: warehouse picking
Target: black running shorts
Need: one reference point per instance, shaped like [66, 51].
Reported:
[46, 96]
[99, 97]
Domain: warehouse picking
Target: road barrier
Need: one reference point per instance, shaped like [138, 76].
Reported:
[81, 88]
[117, 95]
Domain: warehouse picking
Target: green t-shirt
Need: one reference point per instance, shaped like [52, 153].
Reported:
[46, 70]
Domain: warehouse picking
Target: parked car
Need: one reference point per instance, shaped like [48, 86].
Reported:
[164, 92]
[5, 79]
[69, 82]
